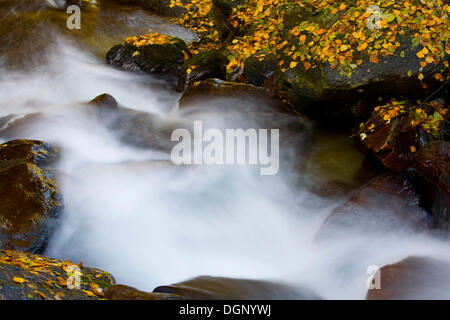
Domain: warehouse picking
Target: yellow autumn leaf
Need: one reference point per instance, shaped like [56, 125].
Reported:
[293, 64]
[19, 280]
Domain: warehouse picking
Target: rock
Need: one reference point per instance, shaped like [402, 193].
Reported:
[216, 88]
[387, 203]
[209, 64]
[166, 58]
[104, 102]
[29, 199]
[122, 292]
[17, 125]
[36, 152]
[105, 106]
[218, 288]
[325, 92]
[433, 164]
[413, 278]
[141, 129]
[390, 143]
[25, 276]
[258, 72]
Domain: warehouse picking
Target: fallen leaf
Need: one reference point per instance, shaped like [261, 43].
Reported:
[19, 280]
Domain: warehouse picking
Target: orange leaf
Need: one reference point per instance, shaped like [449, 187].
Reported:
[374, 58]
[306, 65]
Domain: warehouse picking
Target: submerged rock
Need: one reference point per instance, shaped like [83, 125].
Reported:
[217, 288]
[413, 278]
[25, 276]
[29, 199]
[387, 203]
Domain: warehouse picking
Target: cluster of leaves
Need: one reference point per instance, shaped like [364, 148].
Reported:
[342, 38]
[56, 273]
[429, 116]
[150, 38]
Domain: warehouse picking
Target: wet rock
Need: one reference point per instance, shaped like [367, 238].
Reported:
[396, 130]
[413, 278]
[25, 276]
[17, 125]
[122, 292]
[387, 203]
[216, 88]
[390, 143]
[104, 102]
[209, 64]
[36, 152]
[257, 72]
[217, 288]
[166, 58]
[29, 199]
[433, 164]
[327, 92]
[142, 129]
[105, 106]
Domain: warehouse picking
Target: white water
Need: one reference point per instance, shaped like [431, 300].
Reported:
[154, 224]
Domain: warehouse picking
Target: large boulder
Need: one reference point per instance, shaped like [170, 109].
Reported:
[329, 89]
[152, 54]
[25, 276]
[388, 203]
[29, 199]
[414, 278]
[219, 288]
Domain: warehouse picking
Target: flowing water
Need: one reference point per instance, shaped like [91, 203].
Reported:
[149, 223]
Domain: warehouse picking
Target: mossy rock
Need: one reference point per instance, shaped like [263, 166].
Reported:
[202, 66]
[37, 152]
[29, 199]
[166, 58]
[329, 93]
[25, 276]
